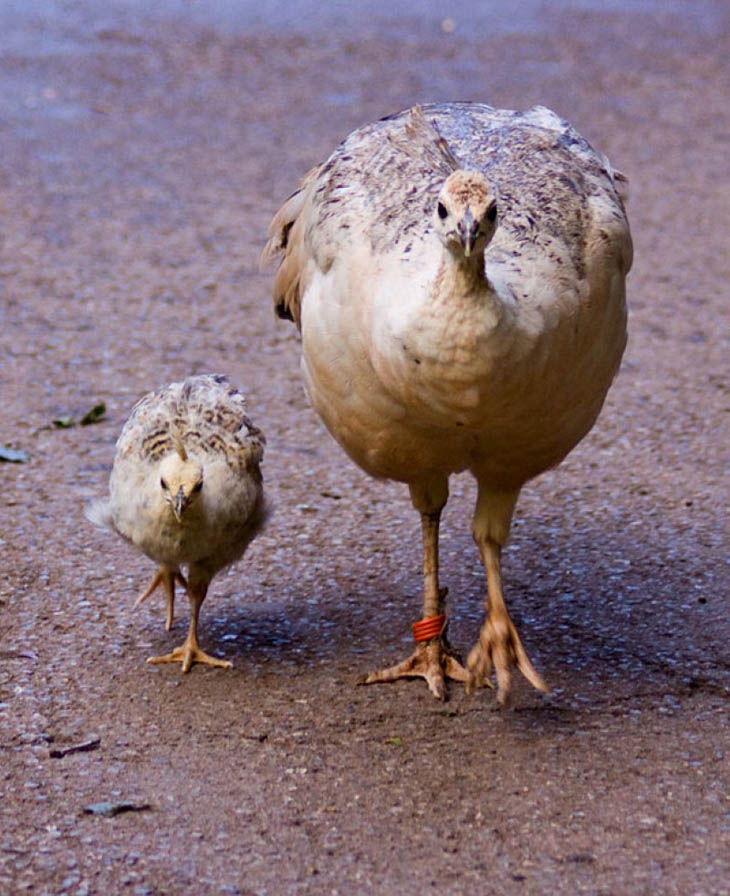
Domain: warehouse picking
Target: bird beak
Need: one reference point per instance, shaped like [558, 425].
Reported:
[467, 233]
[180, 504]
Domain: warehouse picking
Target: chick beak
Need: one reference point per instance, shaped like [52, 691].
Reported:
[180, 504]
[467, 233]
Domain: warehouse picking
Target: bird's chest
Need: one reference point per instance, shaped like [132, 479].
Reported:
[438, 358]
[165, 538]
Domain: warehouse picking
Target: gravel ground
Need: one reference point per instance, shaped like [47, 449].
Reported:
[141, 161]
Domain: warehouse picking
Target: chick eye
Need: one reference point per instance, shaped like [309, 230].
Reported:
[163, 484]
[442, 211]
[491, 215]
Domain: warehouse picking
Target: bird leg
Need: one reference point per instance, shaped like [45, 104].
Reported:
[431, 659]
[189, 652]
[499, 644]
[167, 578]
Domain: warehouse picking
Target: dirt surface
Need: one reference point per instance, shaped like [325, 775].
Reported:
[141, 161]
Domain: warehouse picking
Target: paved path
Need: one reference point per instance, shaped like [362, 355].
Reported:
[141, 161]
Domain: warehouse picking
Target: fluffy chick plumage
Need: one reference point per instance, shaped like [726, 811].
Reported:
[186, 489]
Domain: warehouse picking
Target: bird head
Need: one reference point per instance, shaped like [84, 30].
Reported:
[466, 213]
[181, 480]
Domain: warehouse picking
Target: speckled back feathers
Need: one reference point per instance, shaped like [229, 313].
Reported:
[205, 413]
[380, 185]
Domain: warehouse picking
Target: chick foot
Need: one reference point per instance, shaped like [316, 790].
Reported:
[189, 653]
[499, 646]
[167, 578]
[430, 660]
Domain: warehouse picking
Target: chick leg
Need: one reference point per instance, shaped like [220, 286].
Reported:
[499, 645]
[167, 578]
[430, 659]
[189, 652]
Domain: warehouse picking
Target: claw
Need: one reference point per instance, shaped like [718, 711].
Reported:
[187, 654]
[499, 646]
[430, 660]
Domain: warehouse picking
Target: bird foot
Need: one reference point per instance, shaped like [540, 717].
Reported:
[167, 579]
[499, 646]
[430, 660]
[187, 654]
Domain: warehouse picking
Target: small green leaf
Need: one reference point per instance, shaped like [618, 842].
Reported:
[96, 414]
[63, 422]
[12, 456]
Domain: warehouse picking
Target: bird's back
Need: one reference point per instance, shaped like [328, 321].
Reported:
[379, 187]
[205, 413]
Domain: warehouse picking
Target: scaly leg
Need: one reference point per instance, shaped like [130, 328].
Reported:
[189, 652]
[430, 659]
[499, 644]
[167, 578]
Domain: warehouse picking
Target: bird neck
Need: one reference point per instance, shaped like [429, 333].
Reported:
[461, 277]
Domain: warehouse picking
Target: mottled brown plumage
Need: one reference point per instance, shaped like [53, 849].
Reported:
[186, 489]
[457, 273]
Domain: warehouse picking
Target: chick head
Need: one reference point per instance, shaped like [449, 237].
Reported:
[181, 481]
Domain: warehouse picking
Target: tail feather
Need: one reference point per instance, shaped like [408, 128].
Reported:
[286, 235]
[100, 514]
[622, 184]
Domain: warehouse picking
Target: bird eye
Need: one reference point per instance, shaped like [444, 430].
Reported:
[163, 484]
[492, 212]
[441, 210]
